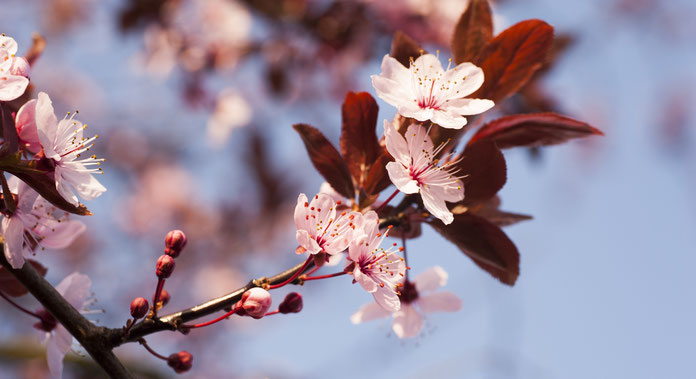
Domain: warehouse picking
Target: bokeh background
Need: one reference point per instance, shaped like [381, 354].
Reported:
[195, 100]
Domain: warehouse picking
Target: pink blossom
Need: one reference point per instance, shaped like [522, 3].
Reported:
[425, 91]
[14, 71]
[75, 289]
[25, 122]
[415, 301]
[320, 227]
[34, 224]
[378, 270]
[63, 143]
[416, 170]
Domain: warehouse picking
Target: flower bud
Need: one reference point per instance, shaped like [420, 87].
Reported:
[291, 304]
[164, 297]
[139, 307]
[165, 266]
[256, 302]
[181, 361]
[174, 242]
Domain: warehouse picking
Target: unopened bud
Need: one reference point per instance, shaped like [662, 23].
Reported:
[174, 242]
[291, 304]
[164, 297]
[165, 266]
[139, 307]
[256, 302]
[181, 361]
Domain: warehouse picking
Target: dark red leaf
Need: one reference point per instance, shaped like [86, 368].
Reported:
[359, 144]
[485, 243]
[377, 177]
[537, 129]
[473, 31]
[484, 166]
[510, 59]
[405, 48]
[326, 159]
[490, 210]
[46, 187]
[11, 286]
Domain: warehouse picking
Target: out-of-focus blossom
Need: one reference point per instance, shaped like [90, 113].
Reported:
[320, 227]
[427, 92]
[64, 144]
[75, 289]
[231, 111]
[25, 122]
[378, 270]
[161, 51]
[415, 301]
[181, 361]
[14, 71]
[33, 224]
[416, 170]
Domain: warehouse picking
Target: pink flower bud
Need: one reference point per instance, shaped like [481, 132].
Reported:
[139, 307]
[291, 304]
[181, 361]
[174, 242]
[165, 266]
[164, 297]
[256, 302]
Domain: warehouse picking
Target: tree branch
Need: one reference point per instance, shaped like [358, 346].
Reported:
[89, 335]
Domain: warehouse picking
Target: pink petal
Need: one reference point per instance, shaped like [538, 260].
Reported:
[387, 299]
[20, 67]
[75, 289]
[431, 279]
[334, 260]
[468, 106]
[401, 178]
[365, 281]
[84, 183]
[301, 212]
[326, 189]
[439, 302]
[433, 199]
[8, 44]
[407, 322]
[59, 235]
[465, 79]
[411, 109]
[46, 125]
[55, 352]
[369, 312]
[428, 64]
[309, 243]
[396, 144]
[12, 86]
[448, 120]
[420, 146]
[13, 232]
[339, 234]
[25, 122]
[392, 69]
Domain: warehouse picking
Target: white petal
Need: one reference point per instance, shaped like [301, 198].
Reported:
[26, 126]
[412, 110]
[433, 199]
[401, 178]
[387, 299]
[428, 64]
[392, 69]
[307, 242]
[464, 80]
[439, 302]
[431, 279]
[46, 125]
[84, 183]
[55, 356]
[326, 188]
[8, 44]
[13, 232]
[468, 106]
[75, 289]
[365, 281]
[64, 188]
[407, 322]
[334, 260]
[448, 120]
[12, 86]
[369, 312]
[420, 146]
[59, 235]
[396, 144]
[302, 212]
[392, 92]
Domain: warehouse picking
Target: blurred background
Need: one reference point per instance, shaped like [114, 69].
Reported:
[195, 100]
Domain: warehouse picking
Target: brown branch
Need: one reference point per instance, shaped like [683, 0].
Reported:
[89, 335]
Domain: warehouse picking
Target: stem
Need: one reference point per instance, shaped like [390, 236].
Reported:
[403, 244]
[312, 271]
[148, 348]
[223, 317]
[4, 296]
[156, 297]
[272, 313]
[384, 204]
[294, 276]
[7, 195]
[304, 279]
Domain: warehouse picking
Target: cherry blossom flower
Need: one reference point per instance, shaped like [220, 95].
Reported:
[416, 170]
[415, 302]
[33, 224]
[319, 228]
[378, 270]
[427, 92]
[63, 143]
[14, 71]
[75, 289]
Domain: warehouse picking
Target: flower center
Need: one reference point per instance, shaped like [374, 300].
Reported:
[47, 323]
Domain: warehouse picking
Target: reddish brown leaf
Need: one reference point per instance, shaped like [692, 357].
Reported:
[404, 48]
[510, 59]
[484, 166]
[537, 129]
[488, 246]
[326, 159]
[473, 31]
[359, 144]
[11, 286]
[378, 178]
[46, 187]
[490, 210]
